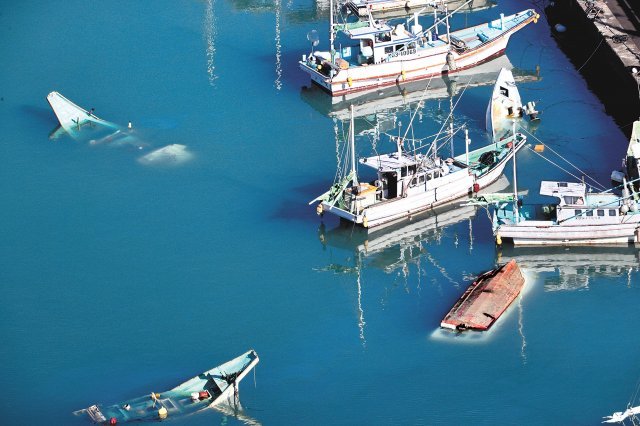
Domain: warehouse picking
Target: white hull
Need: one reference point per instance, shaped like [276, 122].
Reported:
[399, 208]
[354, 80]
[546, 233]
[230, 395]
[418, 63]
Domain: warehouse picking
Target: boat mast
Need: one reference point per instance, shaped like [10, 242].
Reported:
[447, 25]
[352, 147]
[515, 179]
[331, 33]
[467, 141]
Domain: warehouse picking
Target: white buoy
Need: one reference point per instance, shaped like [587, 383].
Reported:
[130, 125]
[560, 28]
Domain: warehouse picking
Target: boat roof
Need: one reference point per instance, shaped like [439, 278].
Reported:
[369, 30]
[561, 189]
[389, 162]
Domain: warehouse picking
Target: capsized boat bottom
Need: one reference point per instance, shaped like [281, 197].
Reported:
[486, 299]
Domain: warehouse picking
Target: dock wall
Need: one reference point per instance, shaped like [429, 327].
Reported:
[602, 41]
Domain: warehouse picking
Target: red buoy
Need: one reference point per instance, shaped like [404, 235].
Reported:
[113, 421]
[476, 187]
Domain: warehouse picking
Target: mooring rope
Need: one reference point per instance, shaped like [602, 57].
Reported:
[595, 182]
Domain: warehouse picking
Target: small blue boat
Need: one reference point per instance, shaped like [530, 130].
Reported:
[216, 386]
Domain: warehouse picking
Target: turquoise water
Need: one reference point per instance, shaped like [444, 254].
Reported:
[119, 279]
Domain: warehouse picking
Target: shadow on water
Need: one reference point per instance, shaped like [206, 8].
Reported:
[41, 114]
[592, 57]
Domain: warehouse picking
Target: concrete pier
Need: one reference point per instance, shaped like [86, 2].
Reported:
[602, 39]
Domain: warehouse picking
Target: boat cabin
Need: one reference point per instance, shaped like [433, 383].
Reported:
[576, 205]
[382, 43]
[401, 175]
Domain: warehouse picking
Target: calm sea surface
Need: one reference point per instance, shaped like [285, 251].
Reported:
[119, 279]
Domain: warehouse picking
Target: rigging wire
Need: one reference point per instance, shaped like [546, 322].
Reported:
[595, 182]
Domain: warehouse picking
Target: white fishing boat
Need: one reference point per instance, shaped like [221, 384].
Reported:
[378, 54]
[505, 106]
[413, 178]
[395, 8]
[402, 96]
[578, 217]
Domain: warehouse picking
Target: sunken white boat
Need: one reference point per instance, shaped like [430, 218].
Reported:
[213, 387]
[505, 106]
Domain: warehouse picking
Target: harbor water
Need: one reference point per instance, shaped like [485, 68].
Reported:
[120, 278]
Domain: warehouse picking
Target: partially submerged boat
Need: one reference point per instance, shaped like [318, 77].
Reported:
[170, 155]
[82, 124]
[486, 299]
[413, 178]
[216, 386]
[505, 106]
[377, 54]
[631, 413]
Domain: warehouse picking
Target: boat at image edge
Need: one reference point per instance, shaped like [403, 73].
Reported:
[216, 386]
[396, 8]
[381, 54]
[486, 299]
[579, 217]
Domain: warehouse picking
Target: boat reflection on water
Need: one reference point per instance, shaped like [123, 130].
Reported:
[573, 268]
[393, 249]
[406, 96]
[237, 412]
[399, 9]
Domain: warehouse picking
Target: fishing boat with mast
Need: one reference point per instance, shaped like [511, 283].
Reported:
[580, 215]
[413, 178]
[377, 54]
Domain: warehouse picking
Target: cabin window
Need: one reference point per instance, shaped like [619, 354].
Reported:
[414, 182]
[600, 212]
[568, 199]
[612, 212]
[388, 49]
[562, 184]
[403, 172]
[589, 212]
[578, 212]
[399, 47]
[412, 45]
[421, 179]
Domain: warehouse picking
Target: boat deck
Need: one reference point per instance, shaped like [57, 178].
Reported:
[486, 299]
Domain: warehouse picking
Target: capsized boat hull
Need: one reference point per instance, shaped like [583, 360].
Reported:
[486, 299]
[425, 63]
[220, 384]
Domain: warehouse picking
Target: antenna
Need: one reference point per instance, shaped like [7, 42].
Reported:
[313, 38]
